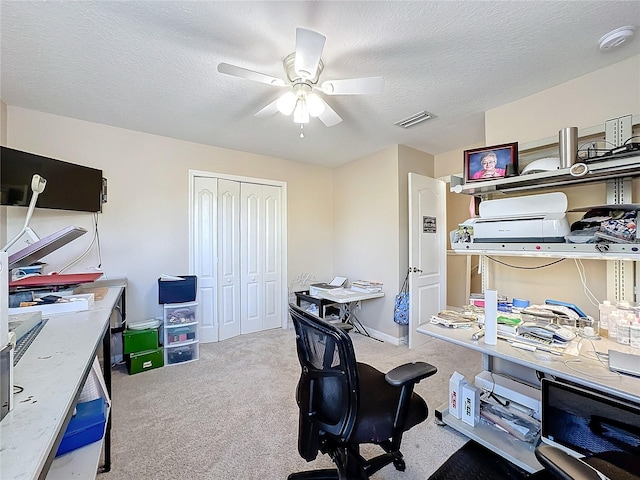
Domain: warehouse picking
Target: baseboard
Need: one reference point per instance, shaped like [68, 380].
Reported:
[385, 337]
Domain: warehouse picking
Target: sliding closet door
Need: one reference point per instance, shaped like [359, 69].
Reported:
[261, 277]
[228, 258]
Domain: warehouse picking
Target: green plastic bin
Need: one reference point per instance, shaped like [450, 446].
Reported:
[142, 361]
[140, 340]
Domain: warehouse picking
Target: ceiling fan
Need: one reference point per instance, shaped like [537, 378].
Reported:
[303, 68]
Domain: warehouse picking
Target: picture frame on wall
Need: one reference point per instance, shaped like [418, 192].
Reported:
[490, 163]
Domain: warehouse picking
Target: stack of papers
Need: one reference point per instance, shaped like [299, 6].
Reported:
[366, 286]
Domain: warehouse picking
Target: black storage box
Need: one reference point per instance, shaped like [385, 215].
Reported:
[177, 291]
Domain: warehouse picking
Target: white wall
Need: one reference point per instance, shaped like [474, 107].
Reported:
[144, 227]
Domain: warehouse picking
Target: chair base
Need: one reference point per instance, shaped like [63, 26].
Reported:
[326, 474]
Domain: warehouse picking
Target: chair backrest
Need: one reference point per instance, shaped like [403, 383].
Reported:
[328, 385]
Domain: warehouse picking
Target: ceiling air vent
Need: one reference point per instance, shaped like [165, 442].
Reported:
[414, 119]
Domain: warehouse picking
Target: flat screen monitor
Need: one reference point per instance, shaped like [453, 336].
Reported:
[69, 186]
[583, 422]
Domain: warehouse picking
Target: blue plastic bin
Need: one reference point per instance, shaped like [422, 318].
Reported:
[85, 427]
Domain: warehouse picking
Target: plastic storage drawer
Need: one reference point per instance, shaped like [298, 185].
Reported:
[180, 313]
[179, 334]
[181, 354]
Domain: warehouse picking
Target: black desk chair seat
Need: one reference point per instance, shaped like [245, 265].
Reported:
[344, 404]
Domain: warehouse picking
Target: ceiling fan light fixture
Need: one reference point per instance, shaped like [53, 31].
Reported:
[286, 103]
[315, 105]
[301, 112]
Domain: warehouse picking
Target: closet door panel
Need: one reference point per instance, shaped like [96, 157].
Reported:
[251, 257]
[229, 277]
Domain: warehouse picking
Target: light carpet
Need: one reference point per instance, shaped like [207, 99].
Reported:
[232, 414]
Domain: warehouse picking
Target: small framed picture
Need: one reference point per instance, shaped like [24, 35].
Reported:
[489, 163]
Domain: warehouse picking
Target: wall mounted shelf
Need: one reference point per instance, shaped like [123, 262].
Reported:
[628, 166]
[617, 251]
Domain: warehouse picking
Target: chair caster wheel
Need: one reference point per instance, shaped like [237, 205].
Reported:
[400, 465]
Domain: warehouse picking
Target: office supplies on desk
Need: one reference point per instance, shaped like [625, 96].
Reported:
[627, 363]
[335, 284]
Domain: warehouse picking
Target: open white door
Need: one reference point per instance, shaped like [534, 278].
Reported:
[427, 252]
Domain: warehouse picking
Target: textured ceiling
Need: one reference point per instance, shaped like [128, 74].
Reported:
[151, 66]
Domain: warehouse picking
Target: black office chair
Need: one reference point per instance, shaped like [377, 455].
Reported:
[344, 404]
[562, 466]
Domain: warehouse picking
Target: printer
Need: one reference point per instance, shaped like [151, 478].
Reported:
[533, 218]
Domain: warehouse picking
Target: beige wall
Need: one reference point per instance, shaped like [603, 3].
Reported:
[370, 226]
[366, 242]
[144, 227]
[584, 102]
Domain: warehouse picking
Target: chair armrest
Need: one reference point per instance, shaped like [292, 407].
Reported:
[409, 373]
[561, 465]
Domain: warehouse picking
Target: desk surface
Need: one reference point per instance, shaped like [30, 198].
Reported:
[587, 371]
[52, 372]
[346, 295]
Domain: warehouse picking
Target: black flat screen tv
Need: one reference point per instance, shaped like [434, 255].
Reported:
[69, 186]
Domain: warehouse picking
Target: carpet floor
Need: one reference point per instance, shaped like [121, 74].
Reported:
[232, 414]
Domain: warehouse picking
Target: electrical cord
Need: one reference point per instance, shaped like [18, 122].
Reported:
[526, 268]
[95, 240]
[583, 279]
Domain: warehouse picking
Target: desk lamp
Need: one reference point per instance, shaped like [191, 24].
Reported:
[37, 185]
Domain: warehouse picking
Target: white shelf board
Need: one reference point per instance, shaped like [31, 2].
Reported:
[617, 251]
[82, 463]
[598, 171]
[516, 451]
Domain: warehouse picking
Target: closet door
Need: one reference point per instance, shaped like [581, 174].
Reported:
[204, 233]
[261, 278]
[228, 258]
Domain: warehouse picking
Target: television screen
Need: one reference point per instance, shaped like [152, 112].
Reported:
[69, 186]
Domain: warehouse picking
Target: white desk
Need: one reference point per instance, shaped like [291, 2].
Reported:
[588, 372]
[52, 372]
[348, 300]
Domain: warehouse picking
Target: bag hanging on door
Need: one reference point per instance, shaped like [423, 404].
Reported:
[401, 308]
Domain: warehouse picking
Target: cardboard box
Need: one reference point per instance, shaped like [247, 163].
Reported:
[140, 340]
[455, 394]
[177, 291]
[85, 427]
[470, 404]
[142, 361]
[71, 303]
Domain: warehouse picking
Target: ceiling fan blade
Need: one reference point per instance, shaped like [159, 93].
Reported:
[250, 75]
[267, 111]
[353, 86]
[309, 46]
[329, 117]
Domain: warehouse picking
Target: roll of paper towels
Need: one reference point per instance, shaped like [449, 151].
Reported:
[491, 317]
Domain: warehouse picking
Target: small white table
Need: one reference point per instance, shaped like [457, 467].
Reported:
[348, 300]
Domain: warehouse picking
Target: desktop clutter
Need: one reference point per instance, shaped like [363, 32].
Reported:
[554, 328]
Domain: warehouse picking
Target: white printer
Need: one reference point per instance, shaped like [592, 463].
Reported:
[533, 218]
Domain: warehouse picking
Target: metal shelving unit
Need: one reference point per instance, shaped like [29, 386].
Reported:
[616, 168]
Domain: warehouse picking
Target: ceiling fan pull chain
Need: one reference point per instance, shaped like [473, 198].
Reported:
[302, 130]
